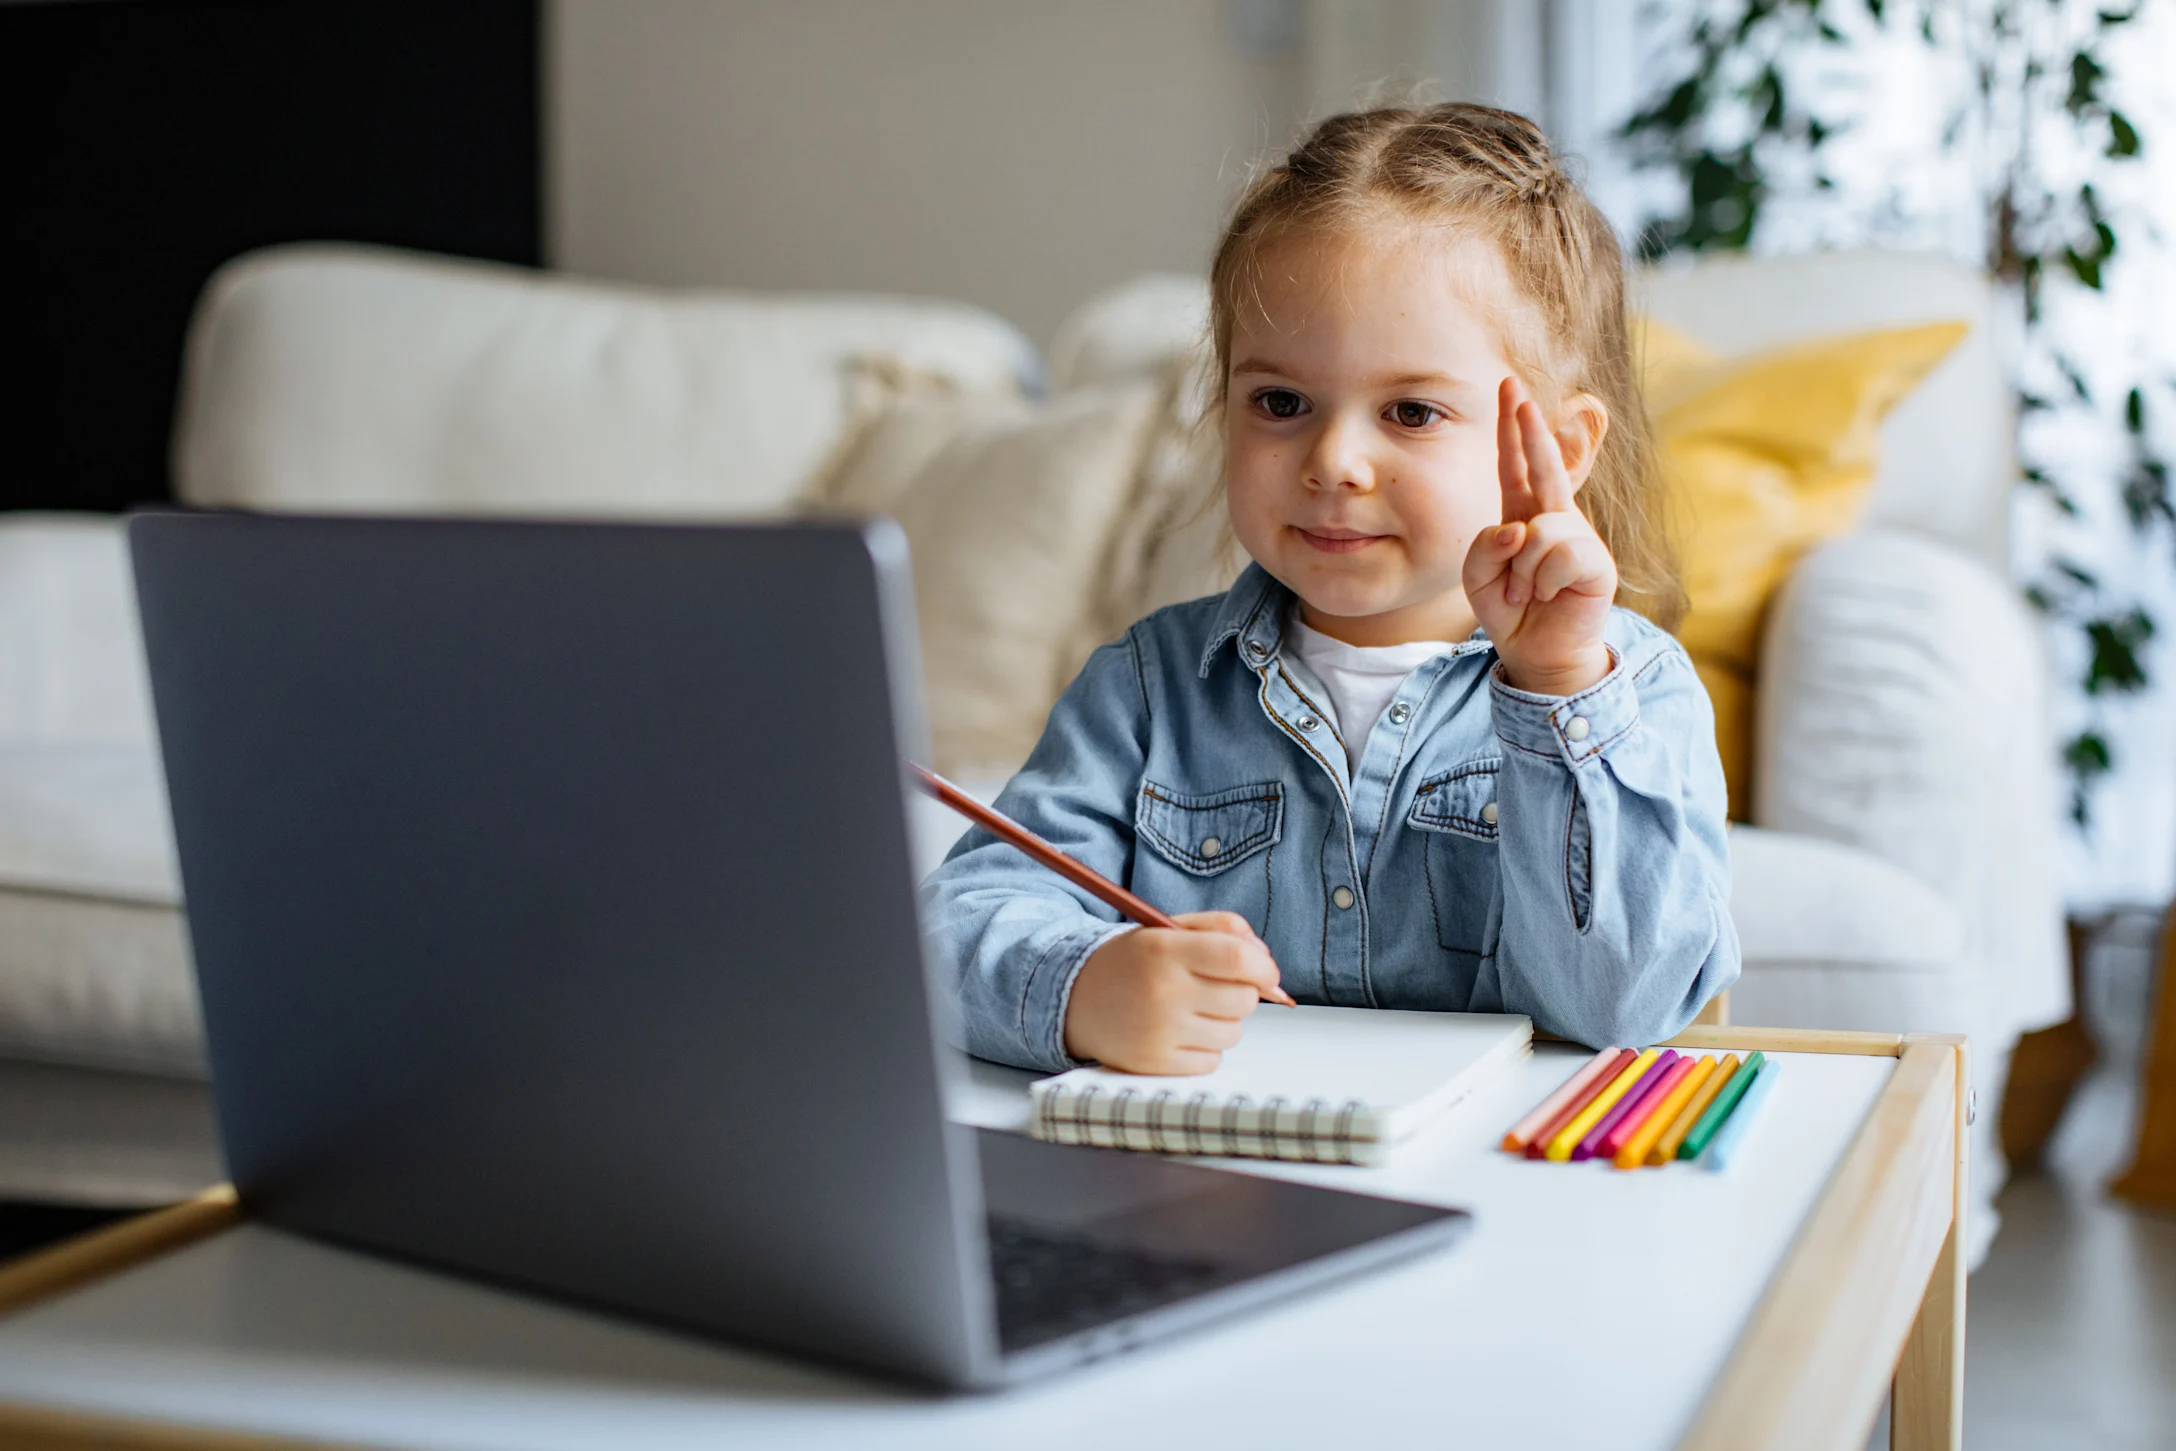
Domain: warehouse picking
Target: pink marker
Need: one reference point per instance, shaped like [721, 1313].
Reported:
[1633, 1098]
[1631, 1123]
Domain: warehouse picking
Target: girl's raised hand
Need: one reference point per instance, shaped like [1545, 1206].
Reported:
[1540, 583]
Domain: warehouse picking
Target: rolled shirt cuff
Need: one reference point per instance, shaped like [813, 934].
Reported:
[1571, 728]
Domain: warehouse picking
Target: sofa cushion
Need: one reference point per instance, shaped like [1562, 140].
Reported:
[1946, 462]
[71, 657]
[340, 378]
[97, 982]
[1133, 330]
[94, 961]
[86, 819]
[1769, 453]
[1835, 937]
[1009, 508]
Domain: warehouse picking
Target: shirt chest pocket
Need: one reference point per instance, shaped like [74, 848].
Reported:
[1456, 814]
[1208, 835]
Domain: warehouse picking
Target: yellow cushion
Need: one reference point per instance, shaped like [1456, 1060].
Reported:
[1770, 453]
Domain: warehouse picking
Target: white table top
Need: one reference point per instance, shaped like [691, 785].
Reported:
[1589, 1307]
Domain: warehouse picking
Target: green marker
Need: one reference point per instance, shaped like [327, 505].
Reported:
[1720, 1109]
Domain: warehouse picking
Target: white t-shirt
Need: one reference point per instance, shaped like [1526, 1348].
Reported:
[1358, 680]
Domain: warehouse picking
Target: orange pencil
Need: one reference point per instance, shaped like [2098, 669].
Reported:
[1635, 1148]
[1665, 1148]
[1616, 1060]
[1003, 827]
[1527, 1129]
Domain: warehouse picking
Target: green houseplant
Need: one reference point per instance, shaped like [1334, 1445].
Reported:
[2038, 138]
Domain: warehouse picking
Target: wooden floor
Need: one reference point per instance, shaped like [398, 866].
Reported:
[2073, 1317]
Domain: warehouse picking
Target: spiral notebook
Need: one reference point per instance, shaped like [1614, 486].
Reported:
[1320, 1085]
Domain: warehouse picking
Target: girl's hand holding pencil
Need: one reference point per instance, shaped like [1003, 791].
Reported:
[1169, 998]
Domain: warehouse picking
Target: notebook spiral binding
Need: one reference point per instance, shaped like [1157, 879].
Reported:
[1198, 1123]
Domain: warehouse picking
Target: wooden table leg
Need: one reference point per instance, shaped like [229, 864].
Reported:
[1926, 1400]
[2152, 1177]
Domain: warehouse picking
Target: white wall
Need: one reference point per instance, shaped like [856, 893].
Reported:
[1020, 154]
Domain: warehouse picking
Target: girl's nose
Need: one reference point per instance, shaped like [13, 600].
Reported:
[1339, 459]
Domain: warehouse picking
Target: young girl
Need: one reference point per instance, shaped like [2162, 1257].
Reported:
[1415, 757]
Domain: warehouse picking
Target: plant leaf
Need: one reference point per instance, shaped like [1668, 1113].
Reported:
[2122, 136]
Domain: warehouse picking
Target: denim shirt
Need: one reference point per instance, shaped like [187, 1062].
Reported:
[1493, 851]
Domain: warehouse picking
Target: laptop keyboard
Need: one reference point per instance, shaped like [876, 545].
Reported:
[1050, 1282]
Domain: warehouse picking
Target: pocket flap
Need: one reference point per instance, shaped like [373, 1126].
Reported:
[1461, 801]
[1209, 834]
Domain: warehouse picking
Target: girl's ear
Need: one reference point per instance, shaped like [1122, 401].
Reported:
[1581, 425]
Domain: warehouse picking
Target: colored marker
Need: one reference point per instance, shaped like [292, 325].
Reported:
[1719, 1110]
[1725, 1147]
[1567, 1138]
[1625, 1106]
[1635, 1150]
[1538, 1145]
[1522, 1133]
[1650, 1104]
[1665, 1148]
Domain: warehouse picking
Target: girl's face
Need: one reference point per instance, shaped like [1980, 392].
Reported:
[1360, 425]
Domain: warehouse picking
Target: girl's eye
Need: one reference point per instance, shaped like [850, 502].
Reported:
[1280, 403]
[1410, 413]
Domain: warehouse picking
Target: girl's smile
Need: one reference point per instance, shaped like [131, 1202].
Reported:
[1338, 541]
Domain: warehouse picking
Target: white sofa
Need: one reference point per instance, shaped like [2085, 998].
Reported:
[1898, 879]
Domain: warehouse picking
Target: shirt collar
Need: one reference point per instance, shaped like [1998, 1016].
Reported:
[1252, 615]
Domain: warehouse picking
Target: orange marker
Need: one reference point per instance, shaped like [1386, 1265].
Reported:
[1539, 1143]
[1665, 1114]
[1527, 1129]
[1640, 1114]
[1665, 1148]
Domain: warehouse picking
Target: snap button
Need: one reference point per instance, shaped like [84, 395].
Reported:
[1400, 713]
[1343, 897]
[1256, 649]
[1576, 728]
[1210, 846]
[1308, 722]
[1489, 813]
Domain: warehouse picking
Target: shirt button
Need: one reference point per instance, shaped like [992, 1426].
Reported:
[1489, 813]
[1210, 846]
[1343, 897]
[1308, 722]
[1576, 728]
[1400, 713]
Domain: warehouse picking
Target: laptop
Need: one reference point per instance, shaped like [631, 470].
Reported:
[550, 893]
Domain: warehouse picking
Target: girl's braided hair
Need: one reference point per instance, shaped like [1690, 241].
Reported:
[1490, 176]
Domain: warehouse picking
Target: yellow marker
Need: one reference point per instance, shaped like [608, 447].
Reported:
[1665, 1148]
[1665, 1114]
[1560, 1147]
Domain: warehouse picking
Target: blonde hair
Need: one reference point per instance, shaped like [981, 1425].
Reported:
[1492, 176]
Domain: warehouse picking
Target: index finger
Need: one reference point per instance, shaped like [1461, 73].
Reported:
[1511, 455]
[1545, 471]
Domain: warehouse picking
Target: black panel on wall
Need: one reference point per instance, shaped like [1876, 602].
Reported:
[144, 142]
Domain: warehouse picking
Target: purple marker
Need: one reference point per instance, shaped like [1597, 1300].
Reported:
[1648, 1082]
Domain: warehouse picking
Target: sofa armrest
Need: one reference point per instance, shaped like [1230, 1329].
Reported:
[71, 653]
[1903, 710]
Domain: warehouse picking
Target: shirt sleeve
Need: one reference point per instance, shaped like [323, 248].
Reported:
[1013, 932]
[1615, 925]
